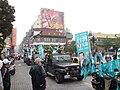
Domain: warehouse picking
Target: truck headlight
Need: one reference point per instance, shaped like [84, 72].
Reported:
[78, 67]
[116, 73]
[118, 79]
[66, 68]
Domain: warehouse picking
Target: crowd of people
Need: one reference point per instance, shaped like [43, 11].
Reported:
[38, 74]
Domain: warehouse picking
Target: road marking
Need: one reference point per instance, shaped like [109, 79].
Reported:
[19, 64]
[87, 84]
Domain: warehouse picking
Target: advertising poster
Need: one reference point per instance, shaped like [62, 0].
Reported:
[51, 19]
[82, 43]
[14, 32]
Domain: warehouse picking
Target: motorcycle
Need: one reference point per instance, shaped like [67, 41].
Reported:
[98, 82]
[29, 60]
[12, 66]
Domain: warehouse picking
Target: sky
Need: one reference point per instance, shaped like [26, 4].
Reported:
[79, 15]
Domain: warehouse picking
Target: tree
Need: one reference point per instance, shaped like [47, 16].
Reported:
[6, 18]
[71, 47]
[107, 42]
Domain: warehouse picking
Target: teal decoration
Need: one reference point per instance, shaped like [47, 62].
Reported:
[89, 64]
[41, 51]
[95, 58]
[110, 66]
[83, 45]
[101, 70]
[101, 57]
[58, 47]
[85, 73]
[51, 48]
[93, 68]
[82, 71]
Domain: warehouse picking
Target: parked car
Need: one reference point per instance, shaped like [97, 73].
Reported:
[61, 67]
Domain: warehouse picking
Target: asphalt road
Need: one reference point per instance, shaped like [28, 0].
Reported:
[22, 81]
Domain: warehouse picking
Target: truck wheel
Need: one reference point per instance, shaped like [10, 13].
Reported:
[58, 77]
[80, 78]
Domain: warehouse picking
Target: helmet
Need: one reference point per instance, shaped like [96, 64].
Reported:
[108, 56]
[5, 61]
[38, 60]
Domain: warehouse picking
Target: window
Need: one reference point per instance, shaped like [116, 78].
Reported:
[54, 39]
[48, 33]
[47, 39]
[61, 40]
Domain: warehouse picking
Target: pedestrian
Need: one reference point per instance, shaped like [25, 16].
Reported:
[109, 71]
[6, 74]
[38, 75]
[1, 82]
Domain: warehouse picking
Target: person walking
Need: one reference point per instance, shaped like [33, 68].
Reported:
[38, 75]
[6, 75]
[1, 81]
[109, 71]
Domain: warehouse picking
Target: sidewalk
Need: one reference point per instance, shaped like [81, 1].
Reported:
[21, 80]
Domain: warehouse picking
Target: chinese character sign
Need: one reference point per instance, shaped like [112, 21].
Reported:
[82, 43]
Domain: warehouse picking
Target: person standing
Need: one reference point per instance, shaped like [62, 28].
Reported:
[109, 73]
[1, 81]
[38, 75]
[6, 75]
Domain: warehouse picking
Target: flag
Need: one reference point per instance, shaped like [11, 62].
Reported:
[93, 68]
[51, 48]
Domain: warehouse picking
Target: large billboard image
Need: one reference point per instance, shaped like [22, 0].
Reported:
[51, 19]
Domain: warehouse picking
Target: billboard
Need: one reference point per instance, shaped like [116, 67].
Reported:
[82, 43]
[8, 41]
[51, 19]
[14, 32]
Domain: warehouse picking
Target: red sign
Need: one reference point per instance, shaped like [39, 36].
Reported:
[14, 36]
[51, 19]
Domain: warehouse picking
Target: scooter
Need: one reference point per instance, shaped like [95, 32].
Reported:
[98, 82]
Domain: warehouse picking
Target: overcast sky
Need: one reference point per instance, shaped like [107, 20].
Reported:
[80, 15]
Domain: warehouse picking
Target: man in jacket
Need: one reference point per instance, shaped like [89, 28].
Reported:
[6, 75]
[108, 72]
[38, 75]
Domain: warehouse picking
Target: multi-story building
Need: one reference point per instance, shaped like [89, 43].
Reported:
[49, 32]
